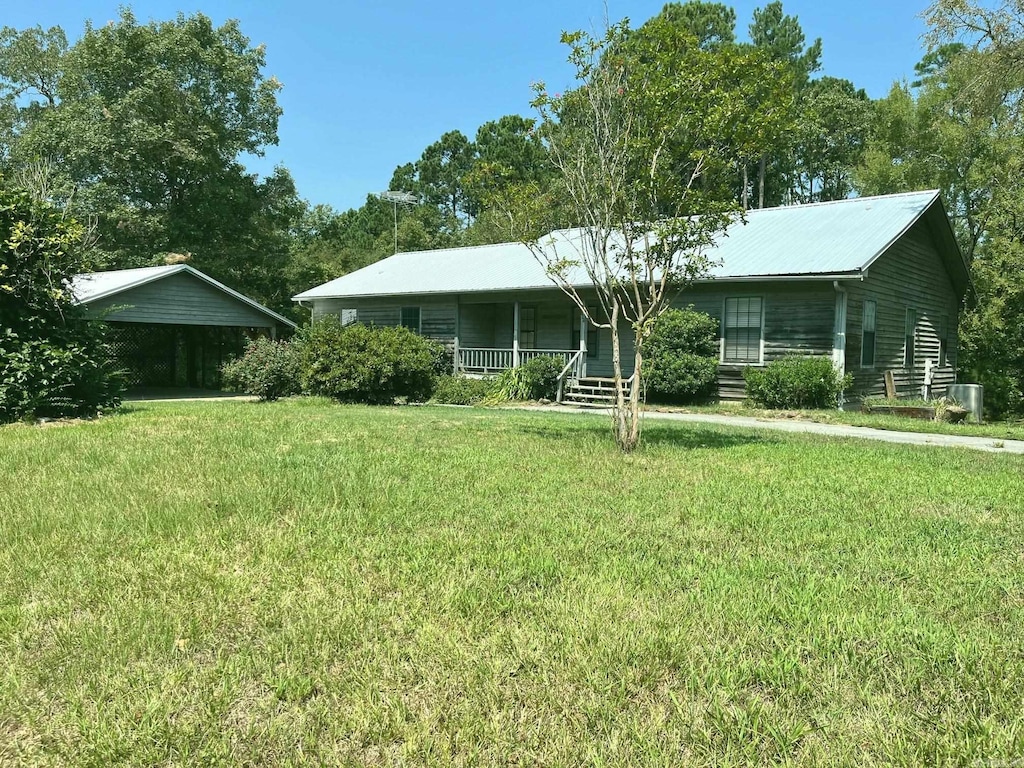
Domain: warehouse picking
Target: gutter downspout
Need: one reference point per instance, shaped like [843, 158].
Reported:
[839, 334]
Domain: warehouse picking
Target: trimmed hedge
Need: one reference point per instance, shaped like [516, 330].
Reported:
[681, 359]
[360, 364]
[796, 382]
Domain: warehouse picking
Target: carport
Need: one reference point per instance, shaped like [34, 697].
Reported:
[174, 326]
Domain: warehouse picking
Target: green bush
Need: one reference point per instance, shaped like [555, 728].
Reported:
[681, 361]
[54, 359]
[540, 375]
[359, 364]
[461, 390]
[796, 382]
[535, 379]
[56, 378]
[267, 369]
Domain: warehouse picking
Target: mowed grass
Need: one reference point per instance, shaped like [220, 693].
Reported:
[307, 584]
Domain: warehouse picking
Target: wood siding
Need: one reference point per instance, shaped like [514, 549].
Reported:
[910, 275]
[181, 299]
[437, 316]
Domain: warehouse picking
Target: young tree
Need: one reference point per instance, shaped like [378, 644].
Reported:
[645, 147]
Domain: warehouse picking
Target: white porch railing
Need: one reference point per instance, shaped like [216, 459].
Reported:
[483, 359]
[487, 360]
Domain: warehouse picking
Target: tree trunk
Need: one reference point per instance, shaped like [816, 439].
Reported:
[762, 168]
[746, 183]
[620, 414]
[634, 397]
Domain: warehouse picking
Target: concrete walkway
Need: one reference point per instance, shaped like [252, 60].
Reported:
[992, 444]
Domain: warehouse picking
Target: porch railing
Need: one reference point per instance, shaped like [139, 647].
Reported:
[483, 359]
[573, 370]
[487, 360]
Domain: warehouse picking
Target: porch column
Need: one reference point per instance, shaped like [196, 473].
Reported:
[839, 336]
[515, 336]
[583, 344]
[455, 341]
[273, 333]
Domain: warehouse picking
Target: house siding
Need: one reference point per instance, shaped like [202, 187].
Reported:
[180, 299]
[910, 275]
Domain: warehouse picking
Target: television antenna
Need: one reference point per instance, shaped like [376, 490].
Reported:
[398, 197]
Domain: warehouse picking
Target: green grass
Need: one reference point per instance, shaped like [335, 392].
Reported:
[1006, 430]
[307, 584]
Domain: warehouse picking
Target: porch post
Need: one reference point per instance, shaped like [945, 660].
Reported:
[515, 336]
[583, 343]
[273, 333]
[455, 356]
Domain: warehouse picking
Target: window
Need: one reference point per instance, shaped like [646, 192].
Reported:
[910, 336]
[742, 331]
[411, 318]
[593, 334]
[943, 331]
[867, 335]
[528, 327]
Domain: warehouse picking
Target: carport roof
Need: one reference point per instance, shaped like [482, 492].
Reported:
[94, 286]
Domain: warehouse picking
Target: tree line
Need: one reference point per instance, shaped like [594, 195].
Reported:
[140, 131]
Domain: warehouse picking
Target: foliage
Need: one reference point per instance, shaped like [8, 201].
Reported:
[267, 369]
[796, 382]
[66, 376]
[645, 147]
[141, 128]
[360, 364]
[461, 390]
[682, 356]
[541, 376]
[53, 360]
[511, 385]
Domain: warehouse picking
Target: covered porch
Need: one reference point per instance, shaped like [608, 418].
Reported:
[494, 337]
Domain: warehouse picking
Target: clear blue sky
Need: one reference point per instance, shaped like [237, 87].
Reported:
[368, 85]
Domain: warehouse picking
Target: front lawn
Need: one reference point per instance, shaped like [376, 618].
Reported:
[307, 584]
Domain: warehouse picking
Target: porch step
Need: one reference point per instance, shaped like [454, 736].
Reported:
[593, 392]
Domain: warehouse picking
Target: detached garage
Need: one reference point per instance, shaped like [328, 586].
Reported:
[174, 326]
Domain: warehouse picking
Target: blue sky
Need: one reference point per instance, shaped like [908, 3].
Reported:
[368, 85]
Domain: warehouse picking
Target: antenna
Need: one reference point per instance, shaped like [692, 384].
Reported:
[397, 197]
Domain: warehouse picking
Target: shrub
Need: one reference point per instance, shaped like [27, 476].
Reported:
[359, 364]
[535, 379]
[540, 375]
[57, 378]
[460, 390]
[54, 360]
[796, 382]
[681, 362]
[267, 369]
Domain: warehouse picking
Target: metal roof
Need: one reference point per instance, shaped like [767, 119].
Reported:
[91, 287]
[818, 240]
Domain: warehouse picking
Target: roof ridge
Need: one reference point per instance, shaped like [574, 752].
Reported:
[859, 199]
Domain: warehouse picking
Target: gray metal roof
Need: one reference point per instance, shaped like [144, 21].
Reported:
[91, 287]
[805, 241]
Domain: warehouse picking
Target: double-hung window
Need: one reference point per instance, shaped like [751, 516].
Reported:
[943, 333]
[867, 335]
[910, 339]
[742, 330]
[411, 318]
[528, 327]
